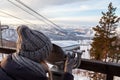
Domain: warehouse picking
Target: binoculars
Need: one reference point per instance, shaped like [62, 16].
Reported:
[58, 58]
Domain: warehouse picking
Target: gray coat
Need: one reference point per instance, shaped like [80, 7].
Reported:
[10, 70]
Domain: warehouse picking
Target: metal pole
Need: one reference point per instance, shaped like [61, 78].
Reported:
[1, 43]
[1, 35]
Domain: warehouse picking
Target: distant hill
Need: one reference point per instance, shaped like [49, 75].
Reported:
[53, 33]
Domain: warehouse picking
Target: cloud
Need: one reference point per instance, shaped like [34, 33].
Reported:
[37, 5]
[84, 6]
[64, 11]
[81, 20]
[46, 3]
[67, 9]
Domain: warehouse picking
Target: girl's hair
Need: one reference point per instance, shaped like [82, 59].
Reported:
[48, 70]
[19, 40]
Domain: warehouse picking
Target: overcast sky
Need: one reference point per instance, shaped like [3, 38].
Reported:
[67, 12]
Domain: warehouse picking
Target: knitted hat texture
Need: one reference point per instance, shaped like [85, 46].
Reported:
[34, 44]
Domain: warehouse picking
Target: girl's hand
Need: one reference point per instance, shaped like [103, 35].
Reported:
[69, 63]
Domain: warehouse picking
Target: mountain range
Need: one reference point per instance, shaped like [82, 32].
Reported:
[65, 33]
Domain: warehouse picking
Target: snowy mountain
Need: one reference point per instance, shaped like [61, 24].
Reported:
[9, 34]
[67, 32]
[53, 33]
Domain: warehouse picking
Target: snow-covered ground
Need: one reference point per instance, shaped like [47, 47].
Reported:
[0, 57]
[80, 77]
[64, 43]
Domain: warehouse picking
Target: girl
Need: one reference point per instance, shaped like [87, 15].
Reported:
[28, 63]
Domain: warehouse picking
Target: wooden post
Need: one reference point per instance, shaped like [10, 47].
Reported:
[109, 77]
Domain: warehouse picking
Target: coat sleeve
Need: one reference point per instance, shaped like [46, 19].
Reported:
[4, 76]
[68, 76]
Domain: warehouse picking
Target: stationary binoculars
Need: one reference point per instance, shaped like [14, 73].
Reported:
[58, 57]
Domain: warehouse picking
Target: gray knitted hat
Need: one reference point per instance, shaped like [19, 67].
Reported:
[33, 44]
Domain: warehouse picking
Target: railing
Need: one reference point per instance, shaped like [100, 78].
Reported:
[7, 46]
[110, 69]
[7, 43]
[6, 50]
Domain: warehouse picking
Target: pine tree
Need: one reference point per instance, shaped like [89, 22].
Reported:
[105, 35]
[116, 45]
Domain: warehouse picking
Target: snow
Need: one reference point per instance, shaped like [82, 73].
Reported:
[80, 77]
[86, 53]
[9, 34]
[0, 57]
[64, 43]
[116, 78]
